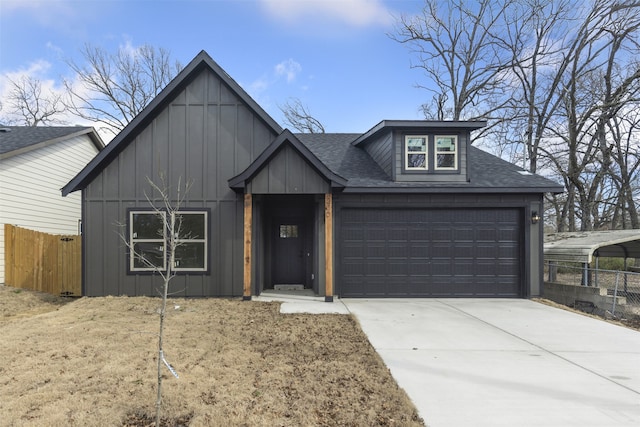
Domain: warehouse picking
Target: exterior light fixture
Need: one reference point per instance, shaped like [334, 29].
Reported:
[535, 218]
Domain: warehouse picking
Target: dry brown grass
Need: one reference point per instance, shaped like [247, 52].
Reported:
[633, 323]
[91, 362]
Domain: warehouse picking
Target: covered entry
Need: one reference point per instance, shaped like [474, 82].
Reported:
[431, 253]
[289, 252]
[288, 219]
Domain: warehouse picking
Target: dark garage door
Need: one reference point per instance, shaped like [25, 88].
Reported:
[430, 253]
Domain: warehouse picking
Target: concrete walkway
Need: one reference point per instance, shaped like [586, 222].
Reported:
[479, 362]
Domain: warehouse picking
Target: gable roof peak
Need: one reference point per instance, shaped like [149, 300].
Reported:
[200, 62]
[286, 137]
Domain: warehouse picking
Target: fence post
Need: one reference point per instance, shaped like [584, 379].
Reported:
[585, 274]
[615, 294]
[553, 271]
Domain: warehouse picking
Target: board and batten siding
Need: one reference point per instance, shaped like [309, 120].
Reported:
[30, 189]
[288, 173]
[205, 136]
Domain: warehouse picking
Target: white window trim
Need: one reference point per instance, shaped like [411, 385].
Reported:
[407, 152]
[133, 240]
[203, 241]
[454, 153]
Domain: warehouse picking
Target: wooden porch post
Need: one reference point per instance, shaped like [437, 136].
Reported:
[328, 246]
[248, 209]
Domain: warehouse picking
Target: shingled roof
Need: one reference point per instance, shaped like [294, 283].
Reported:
[15, 140]
[488, 173]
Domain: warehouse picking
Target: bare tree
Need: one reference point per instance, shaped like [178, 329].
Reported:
[625, 133]
[456, 47]
[298, 116]
[534, 37]
[169, 227]
[113, 88]
[30, 105]
[593, 93]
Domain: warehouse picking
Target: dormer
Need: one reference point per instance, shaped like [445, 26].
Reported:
[421, 150]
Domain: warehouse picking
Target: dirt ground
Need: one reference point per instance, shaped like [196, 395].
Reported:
[92, 362]
[633, 323]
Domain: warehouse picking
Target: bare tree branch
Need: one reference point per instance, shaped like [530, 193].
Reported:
[113, 88]
[30, 105]
[297, 116]
[457, 51]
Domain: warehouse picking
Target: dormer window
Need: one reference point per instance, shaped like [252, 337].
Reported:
[433, 153]
[446, 152]
[416, 153]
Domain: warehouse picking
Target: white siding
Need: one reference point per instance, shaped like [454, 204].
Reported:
[30, 186]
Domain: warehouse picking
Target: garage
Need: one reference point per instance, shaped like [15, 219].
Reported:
[474, 252]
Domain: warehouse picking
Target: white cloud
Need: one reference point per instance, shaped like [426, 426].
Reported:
[356, 13]
[288, 68]
[259, 85]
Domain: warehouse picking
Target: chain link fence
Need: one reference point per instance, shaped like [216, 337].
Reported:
[622, 286]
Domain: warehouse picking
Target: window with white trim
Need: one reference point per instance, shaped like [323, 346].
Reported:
[446, 152]
[148, 237]
[416, 153]
[191, 250]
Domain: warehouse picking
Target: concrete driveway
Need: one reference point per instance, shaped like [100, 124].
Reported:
[478, 362]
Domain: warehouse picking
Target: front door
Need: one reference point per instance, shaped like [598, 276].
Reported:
[289, 257]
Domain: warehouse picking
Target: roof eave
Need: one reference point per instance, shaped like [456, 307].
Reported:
[467, 125]
[95, 140]
[450, 189]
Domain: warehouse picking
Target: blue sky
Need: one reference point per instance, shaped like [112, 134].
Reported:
[334, 55]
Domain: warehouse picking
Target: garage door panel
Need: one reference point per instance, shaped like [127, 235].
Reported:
[419, 251]
[398, 250]
[375, 250]
[430, 253]
[375, 234]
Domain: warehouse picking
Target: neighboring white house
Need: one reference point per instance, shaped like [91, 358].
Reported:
[35, 163]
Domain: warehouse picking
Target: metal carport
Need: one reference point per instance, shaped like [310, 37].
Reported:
[584, 246]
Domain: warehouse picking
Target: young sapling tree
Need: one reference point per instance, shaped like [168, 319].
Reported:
[162, 261]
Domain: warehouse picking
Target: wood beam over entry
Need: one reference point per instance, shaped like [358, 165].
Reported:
[328, 246]
[248, 210]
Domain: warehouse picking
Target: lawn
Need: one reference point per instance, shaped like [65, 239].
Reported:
[92, 362]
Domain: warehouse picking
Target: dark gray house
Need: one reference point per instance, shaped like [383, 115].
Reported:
[408, 209]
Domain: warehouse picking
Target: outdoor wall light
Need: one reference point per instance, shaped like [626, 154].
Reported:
[535, 217]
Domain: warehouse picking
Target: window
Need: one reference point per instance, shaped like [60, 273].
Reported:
[148, 237]
[416, 153]
[191, 250]
[446, 153]
[288, 231]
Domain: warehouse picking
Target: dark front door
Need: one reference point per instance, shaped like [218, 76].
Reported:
[289, 257]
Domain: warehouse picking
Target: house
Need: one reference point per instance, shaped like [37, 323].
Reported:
[35, 162]
[407, 209]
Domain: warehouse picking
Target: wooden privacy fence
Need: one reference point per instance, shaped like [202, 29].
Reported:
[43, 262]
